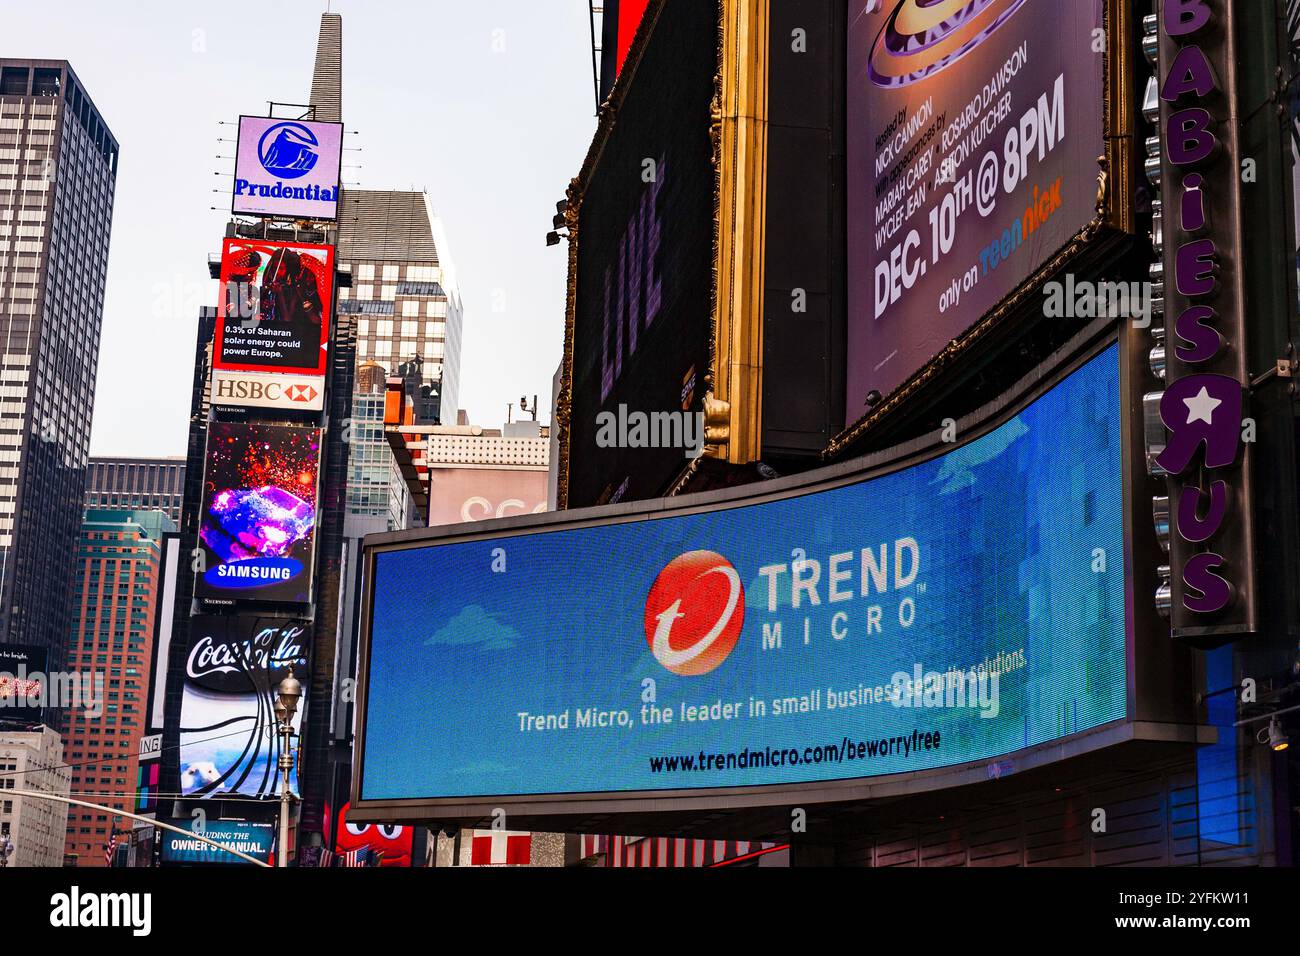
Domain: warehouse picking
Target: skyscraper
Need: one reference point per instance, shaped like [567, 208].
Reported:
[120, 563]
[404, 293]
[375, 485]
[34, 826]
[58, 169]
[405, 311]
[157, 483]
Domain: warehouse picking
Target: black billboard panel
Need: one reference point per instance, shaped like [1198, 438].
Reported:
[22, 682]
[644, 269]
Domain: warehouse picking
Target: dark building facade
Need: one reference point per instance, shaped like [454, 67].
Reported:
[58, 169]
[154, 483]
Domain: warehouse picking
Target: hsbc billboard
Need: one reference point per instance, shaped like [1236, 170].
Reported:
[856, 624]
[266, 390]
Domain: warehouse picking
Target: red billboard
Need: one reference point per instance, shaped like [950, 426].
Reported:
[276, 303]
[629, 14]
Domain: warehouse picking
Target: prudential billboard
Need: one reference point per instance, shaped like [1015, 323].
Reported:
[954, 609]
[287, 169]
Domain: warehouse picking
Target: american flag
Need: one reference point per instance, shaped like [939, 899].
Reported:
[352, 858]
[109, 850]
[620, 851]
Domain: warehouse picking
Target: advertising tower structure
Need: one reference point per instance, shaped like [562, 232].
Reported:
[263, 522]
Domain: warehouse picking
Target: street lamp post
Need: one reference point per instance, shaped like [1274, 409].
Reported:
[286, 705]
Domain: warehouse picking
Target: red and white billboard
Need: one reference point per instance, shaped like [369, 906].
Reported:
[276, 305]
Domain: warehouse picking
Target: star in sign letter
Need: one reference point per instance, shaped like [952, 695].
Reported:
[1201, 407]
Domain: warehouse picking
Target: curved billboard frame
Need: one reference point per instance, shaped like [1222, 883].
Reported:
[577, 806]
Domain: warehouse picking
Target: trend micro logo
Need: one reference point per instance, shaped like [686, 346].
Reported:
[288, 150]
[923, 37]
[694, 613]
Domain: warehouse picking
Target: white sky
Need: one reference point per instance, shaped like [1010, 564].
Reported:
[488, 104]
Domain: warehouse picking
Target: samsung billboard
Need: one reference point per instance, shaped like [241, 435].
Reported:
[957, 605]
[257, 521]
[974, 131]
[287, 169]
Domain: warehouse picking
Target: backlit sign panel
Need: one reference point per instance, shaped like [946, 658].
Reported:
[1204, 405]
[22, 681]
[287, 169]
[973, 136]
[252, 839]
[276, 306]
[958, 608]
[228, 739]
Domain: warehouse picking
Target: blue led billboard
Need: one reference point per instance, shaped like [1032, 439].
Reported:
[953, 610]
[252, 839]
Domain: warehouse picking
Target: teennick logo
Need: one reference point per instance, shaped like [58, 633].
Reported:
[694, 613]
[922, 37]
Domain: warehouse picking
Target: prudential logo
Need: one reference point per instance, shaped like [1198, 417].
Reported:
[288, 150]
[694, 613]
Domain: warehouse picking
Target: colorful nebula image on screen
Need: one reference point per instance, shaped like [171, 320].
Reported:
[258, 521]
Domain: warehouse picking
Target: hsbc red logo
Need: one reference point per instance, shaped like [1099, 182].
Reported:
[300, 393]
[694, 613]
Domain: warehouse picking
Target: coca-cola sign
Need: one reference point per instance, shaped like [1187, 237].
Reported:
[229, 742]
[236, 655]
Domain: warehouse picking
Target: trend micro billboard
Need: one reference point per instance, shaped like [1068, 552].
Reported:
[257, 519]
[973, 136]
[274, 327]
[288, 169]
[953, 610]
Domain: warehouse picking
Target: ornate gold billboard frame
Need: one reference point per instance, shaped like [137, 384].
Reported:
[739, 130]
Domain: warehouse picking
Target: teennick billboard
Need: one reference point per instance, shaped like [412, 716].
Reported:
[973, 136]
